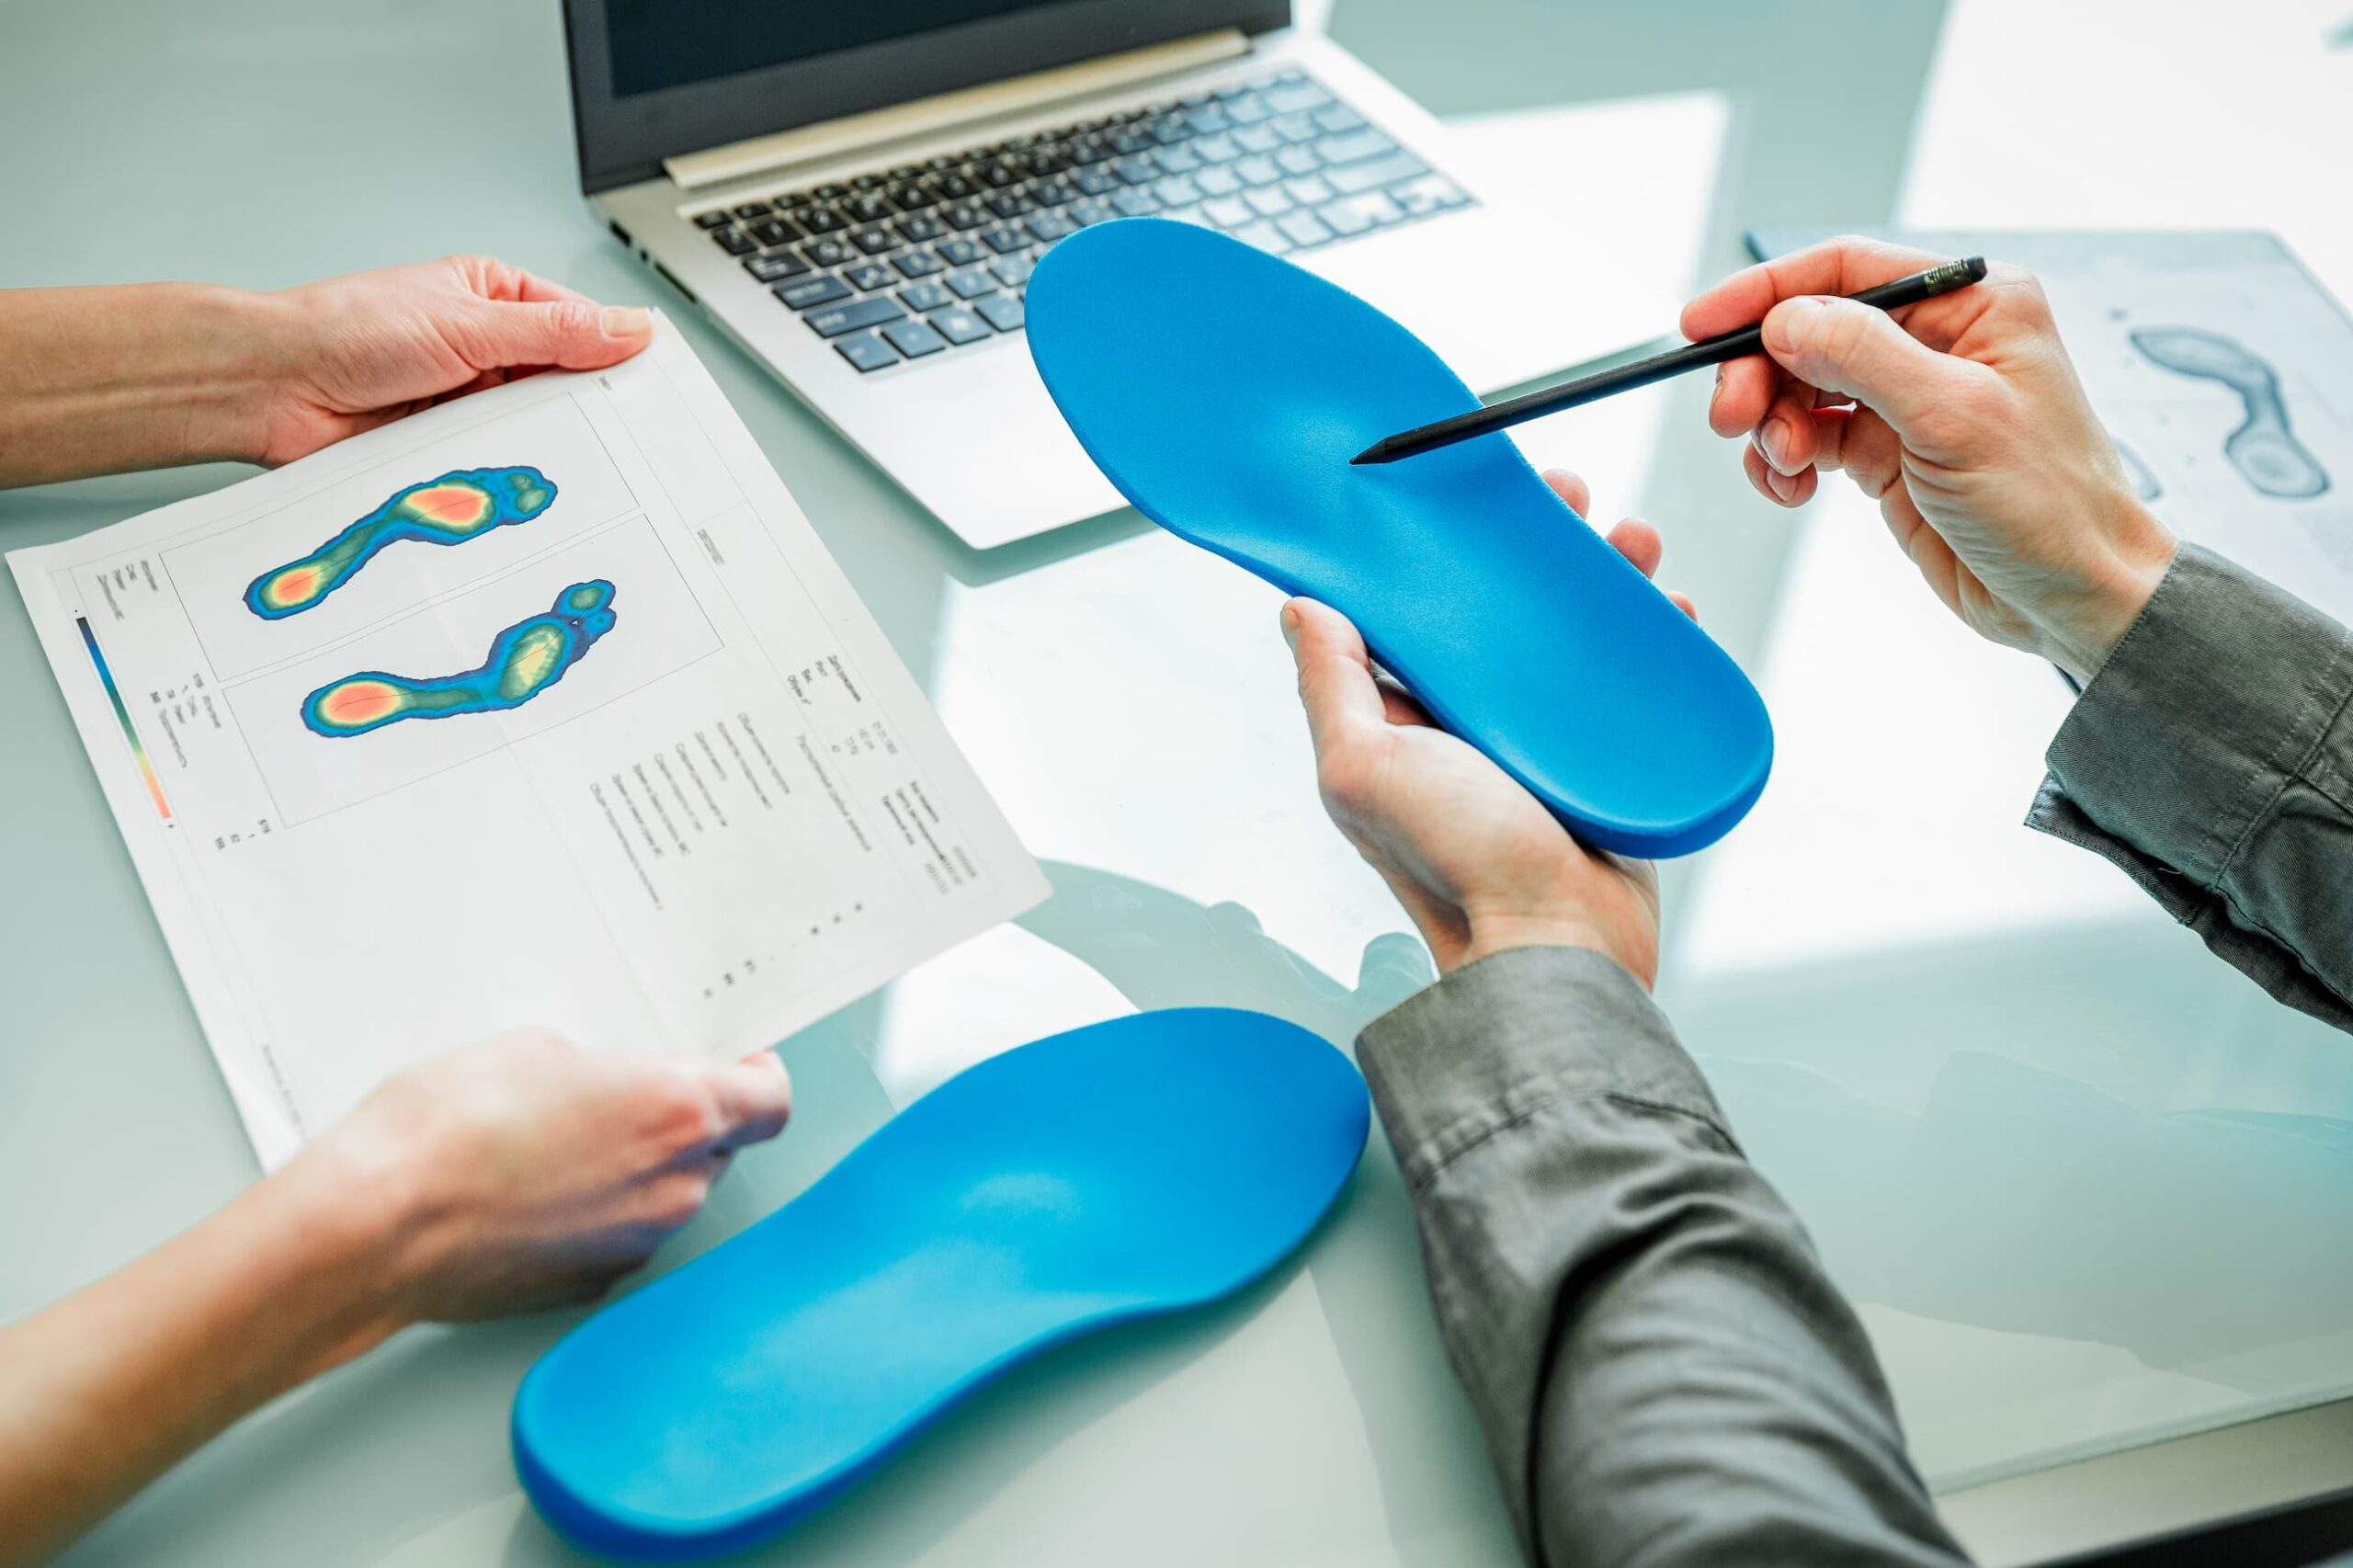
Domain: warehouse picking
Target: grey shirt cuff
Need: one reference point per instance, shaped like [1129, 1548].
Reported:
[2214, 702]
[1498, 1041]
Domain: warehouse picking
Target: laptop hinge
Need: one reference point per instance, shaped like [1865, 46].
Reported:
[810, 143]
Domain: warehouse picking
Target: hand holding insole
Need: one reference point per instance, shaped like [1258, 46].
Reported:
[1223, 392]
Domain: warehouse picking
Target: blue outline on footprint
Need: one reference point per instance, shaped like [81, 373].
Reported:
[2263, 449]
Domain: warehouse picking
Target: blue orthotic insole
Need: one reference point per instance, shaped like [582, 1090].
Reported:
[1223, 390]
[1129, 1169]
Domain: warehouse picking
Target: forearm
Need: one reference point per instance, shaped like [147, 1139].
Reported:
[105, 1390]
[2212, 759]
[104, 379]
[1665, 1374]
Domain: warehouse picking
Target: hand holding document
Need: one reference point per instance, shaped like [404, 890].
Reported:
[543, 707]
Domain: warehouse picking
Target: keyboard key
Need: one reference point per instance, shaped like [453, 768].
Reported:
[1007, 203]
[1431, 193]
[1169, 130]
[874, 241]
[1337, 117]
[1193, 215]
[1294, 127]
[1177, 191]
[828, 253]
[1002, 312]
[1219, 149]
[868, 207]
[715, 218]
[774, 232]
[1130, 141]
[866, 351]
[787, 203]
[960, 253]
[754, 209]
[870, 276]
[735, 242]
[906, 171]
[1257, 139]
[1228, 212]
[1247, 110]
[1355, 146]
[1289, 99]
[965, 215]
[1298, 161]
[1303, 229]
[810, 292]
[924, 296]
[1208, 120]
[1004, 238]
[996, 176]
[868, 182]
[1265, 236]
[1090, 211]
[1177, 160]
[824, 220]
[918, 262]
[1217, 181]
[1012, 271]
[834, 320]
[919, 229]
[775, 267]
[830, 192]
[1267, 200]
[1137, 170]
[910, 197]
[1354, 177]
[1050, 226]
[913, 338]
[1355, 214]
[1094, 182]
[971, 282]
[1258, 171]
[1136, 203]
[1308, 192]
[959, 326]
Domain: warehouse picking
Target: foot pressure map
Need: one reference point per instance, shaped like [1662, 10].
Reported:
[527, 658]
[451, 509]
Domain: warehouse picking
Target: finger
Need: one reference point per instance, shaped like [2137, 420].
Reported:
[1785, 436]
[1782, 489]
[1744, 390]
[1570, 488]
[1862, 444]
[1683, 602]
[754, 1097]
[1844, 265]
[571, 335]
[1334, 674]
[1844, 346]
[503, 280]
[1640, 544]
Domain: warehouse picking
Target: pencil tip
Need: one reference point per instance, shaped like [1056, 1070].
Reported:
[1376, 453]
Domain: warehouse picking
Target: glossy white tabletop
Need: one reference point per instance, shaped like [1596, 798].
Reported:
[2088, 1185]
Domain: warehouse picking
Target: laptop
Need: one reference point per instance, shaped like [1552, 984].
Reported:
[856, 193]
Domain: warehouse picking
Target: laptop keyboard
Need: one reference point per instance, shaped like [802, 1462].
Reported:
[912, 261]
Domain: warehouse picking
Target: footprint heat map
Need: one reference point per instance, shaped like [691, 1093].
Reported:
[462, 504]
[525, 660]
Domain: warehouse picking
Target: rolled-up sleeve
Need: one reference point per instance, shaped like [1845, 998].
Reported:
[2211, 759]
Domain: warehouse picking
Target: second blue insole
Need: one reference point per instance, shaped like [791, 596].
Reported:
[1223, 392]
[1137, 1166]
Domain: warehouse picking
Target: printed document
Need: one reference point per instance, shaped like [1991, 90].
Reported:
[542, 707]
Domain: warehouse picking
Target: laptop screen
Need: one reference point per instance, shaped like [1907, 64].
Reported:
[655, 45]
[653, 79]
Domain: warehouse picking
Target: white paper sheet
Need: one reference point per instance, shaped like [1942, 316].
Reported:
[732, 812]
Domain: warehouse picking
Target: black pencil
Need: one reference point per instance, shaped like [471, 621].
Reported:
[1940, 279]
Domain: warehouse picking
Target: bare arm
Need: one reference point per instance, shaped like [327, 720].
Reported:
[97, 380]
[513, 1176]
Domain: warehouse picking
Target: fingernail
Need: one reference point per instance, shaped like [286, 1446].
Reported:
[627, 320]
[1791, 321]
[1773, 440]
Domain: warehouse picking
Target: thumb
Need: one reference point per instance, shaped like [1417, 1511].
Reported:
[570, 335]
[754, 1096]
[1862, 353]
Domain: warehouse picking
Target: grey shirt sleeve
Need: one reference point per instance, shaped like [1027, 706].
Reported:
[1664, 1371]
[2211, 759]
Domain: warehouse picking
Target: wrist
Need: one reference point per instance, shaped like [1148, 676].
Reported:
[2137, 552]
[356, 1213]
[1503, 931]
